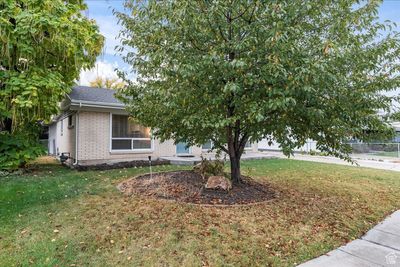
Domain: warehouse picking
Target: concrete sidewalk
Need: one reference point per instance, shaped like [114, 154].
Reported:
[379, 247]
[382, 165]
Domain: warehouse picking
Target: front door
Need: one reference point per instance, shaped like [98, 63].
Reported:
[182, 148]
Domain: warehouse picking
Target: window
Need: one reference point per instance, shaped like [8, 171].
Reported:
[62, 128]
[70, 121]
[128, 135]
[397, 137]
[207, 145]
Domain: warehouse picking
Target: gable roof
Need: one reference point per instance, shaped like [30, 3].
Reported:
[88, 97]
[86, 94]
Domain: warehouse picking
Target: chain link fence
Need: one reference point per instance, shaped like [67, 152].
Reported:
[376, 150]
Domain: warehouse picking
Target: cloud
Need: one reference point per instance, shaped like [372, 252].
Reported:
[102, 69]
[102, 13]
[110, 29]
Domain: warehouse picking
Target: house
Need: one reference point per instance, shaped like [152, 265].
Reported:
[94, 128]
[311, 145]
[396, 126]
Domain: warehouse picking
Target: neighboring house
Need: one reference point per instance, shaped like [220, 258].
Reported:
[265, 145]
[311, 145]
[94, 128]
[396, 126]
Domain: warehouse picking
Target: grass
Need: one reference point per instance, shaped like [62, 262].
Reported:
[393, 154]
[60, 217]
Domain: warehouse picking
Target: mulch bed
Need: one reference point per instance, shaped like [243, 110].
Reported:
[188, 186]
[120, 165]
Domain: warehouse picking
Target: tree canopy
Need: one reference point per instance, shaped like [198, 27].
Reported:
[109, 83]
[44, 44]
[239, 71]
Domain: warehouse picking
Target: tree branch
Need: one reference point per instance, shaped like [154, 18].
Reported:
[211, 27]
[219, 146]
[195, 46]
[241, 14]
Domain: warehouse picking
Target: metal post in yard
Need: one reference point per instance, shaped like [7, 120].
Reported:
[151, 173]
[398, 150]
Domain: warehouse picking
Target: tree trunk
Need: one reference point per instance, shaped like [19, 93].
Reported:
[235, 168]
[6, 125]
[236, 143]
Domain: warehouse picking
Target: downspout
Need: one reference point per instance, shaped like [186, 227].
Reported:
[76, 138]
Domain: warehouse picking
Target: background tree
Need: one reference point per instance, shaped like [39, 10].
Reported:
[43, 46]
[109, 83]
[238, 71]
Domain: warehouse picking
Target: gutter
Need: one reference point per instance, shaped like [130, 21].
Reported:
[97, 104]
[76, 138]
[68, 97]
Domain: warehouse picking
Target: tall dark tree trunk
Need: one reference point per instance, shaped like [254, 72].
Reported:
[235, 151]
[235, 168]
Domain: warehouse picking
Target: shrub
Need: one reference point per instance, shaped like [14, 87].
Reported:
[207, 168]
[18, 149]
[313, 152]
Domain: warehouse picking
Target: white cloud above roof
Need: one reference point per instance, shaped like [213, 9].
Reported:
[102, 69]
[108, 61]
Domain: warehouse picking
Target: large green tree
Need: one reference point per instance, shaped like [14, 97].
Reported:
[235, 71]
[43, 46]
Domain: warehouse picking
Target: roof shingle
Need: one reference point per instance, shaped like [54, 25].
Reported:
[86, 93]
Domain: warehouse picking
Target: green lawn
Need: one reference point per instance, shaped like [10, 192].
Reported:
[60, 217]
[393, 154]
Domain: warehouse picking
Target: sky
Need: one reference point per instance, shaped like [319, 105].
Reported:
[108, 61]
[101, 11]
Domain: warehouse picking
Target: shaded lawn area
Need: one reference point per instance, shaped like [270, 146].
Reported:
[56, 216]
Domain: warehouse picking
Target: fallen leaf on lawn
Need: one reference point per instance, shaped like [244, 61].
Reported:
[56, 231]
